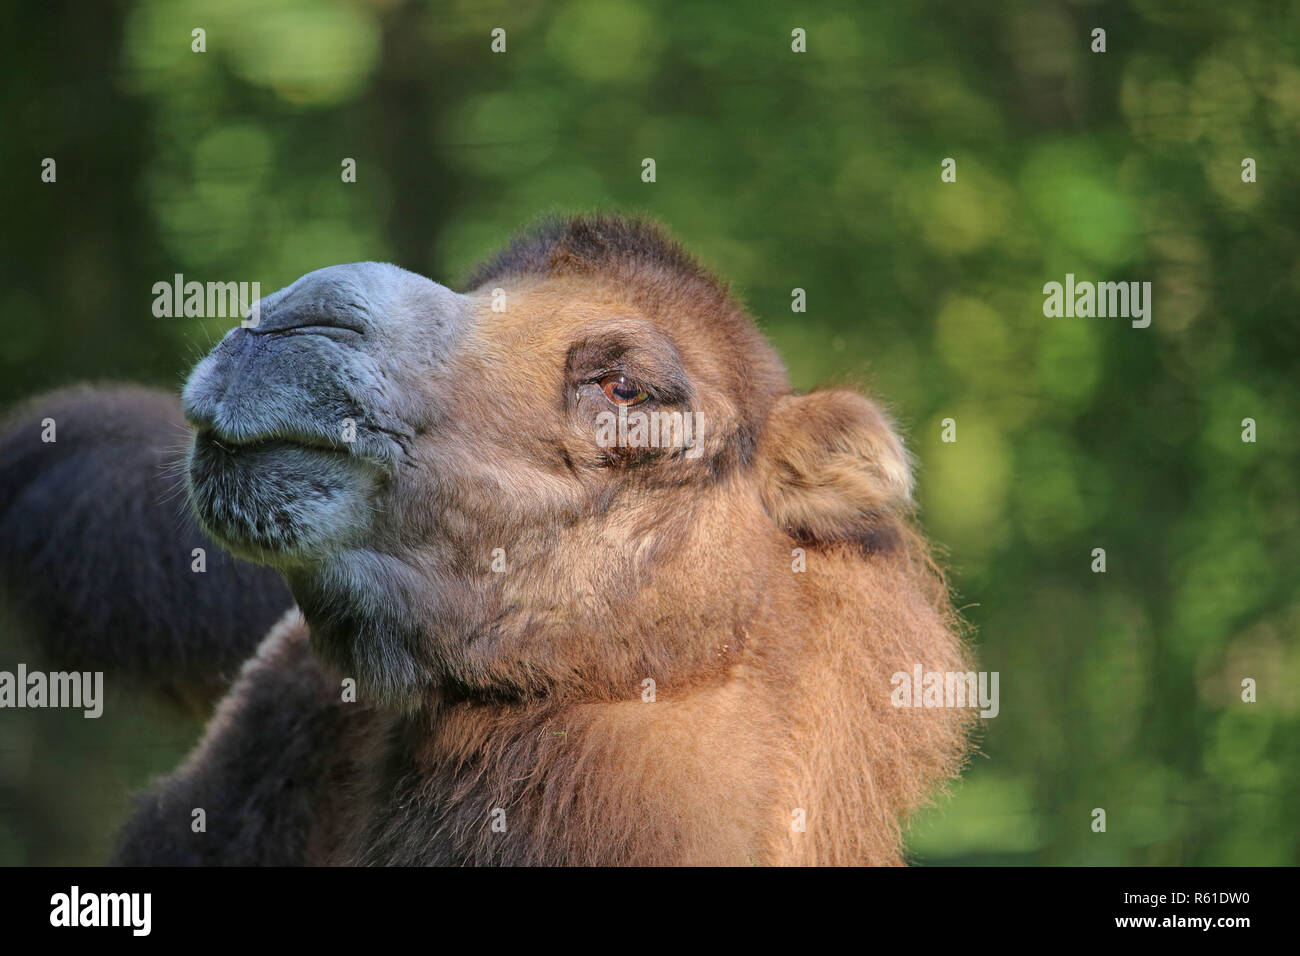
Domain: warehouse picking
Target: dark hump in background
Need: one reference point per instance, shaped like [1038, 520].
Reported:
[96, 540]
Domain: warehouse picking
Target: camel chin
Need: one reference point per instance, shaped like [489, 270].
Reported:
[277, 502]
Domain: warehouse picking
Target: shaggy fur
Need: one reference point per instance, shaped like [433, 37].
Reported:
[96, 547]
[683, 656]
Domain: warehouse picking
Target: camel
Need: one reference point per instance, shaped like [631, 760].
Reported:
[521, 640]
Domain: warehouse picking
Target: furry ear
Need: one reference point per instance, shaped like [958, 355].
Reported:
[833, 469]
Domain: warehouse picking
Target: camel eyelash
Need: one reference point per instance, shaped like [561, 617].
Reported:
[659, 376]
[635, 380]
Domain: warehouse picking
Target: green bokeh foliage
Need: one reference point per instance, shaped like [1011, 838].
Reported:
[819, 171]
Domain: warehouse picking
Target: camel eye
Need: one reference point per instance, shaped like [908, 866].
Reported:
[621, 390]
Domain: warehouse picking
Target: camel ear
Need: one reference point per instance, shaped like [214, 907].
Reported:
[832, 468]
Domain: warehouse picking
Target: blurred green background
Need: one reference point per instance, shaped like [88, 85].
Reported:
[820, 171]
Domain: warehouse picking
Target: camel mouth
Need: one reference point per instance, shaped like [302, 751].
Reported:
[299, 421]
[250, 395]
[278, 499]
[235, 447]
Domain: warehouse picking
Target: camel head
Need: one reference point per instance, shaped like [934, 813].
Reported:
[587, 469]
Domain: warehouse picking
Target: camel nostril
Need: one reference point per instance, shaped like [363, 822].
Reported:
[308, 322]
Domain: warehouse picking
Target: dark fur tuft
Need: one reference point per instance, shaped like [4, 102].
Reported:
[595, 243]
[96, 540]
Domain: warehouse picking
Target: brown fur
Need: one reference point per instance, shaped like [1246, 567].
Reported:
[772, 686]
